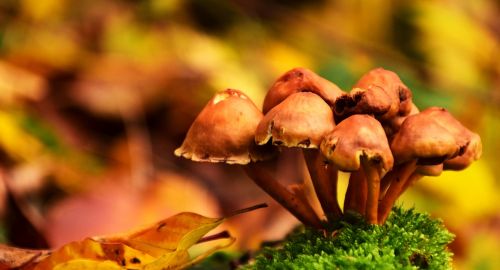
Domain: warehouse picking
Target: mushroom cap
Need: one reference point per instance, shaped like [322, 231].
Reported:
[392, 125]
[362, 101]
[358, 135]
[423, 137]
[300, 80]
[430, 170]
[380, 92]
[301, 120]
[471, 154]
[224, 131]
[471, 142]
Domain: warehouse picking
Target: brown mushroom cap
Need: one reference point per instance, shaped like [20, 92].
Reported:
[358, 135]
[379, 92]
[224, 131]
[392, 125]
[301, 120]
[472, 153]
[430, 170]
[300, 80]
[422, 137]
[471, 147]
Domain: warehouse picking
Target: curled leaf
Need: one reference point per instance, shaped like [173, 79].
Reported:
[162, 246]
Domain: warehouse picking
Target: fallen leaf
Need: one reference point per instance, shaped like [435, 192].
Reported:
[161, 246]
[11, 257]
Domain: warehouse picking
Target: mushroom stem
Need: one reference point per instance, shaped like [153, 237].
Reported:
[355, 198]
[385, 182]
[324, 179]
[299, 192]
[303, 211]
[414, 177]
[397, 181]
[373, 181]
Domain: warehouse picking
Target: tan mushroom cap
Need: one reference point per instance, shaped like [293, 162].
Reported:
[423, 138]
[224, 131]
[430, 170]
[358, 135]
[301, 120]
[392, 125]
[380, 92]
[472, 153]
[471, 146]
[393, 86]
[300, 80]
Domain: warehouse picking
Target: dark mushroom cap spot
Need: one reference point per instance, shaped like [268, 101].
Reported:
[403, 94]
[362, 101]
[305, 143]
[431, 160]
[398, 95]
[135, 260]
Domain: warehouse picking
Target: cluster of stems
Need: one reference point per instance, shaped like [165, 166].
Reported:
[374, 132]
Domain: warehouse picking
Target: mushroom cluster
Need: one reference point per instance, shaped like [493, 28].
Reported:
[374, 132]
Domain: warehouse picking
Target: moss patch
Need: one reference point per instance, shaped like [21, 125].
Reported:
[408, 240]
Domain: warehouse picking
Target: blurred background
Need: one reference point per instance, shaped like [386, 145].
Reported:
[96, 95]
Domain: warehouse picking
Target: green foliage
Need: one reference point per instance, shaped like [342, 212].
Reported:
[219, 260]
[408, 240]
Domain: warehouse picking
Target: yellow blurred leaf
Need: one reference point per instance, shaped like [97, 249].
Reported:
[16, 84]
[87, 264]
[177, 232]
[162, 246]
[42, 10]
[16, 142]
[92, 250]
[473, 191]
[282, 57]
[455, 55]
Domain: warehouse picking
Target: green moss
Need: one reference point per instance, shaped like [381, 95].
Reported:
[408, 240]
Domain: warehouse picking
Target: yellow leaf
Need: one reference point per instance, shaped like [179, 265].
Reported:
[93, 250]
[179, 259]
[16, 142]
[162, 246]
[80, 264]
[177, 232]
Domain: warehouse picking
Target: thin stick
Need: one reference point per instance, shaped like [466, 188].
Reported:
[414, 177]
[324, 179]
[247, 209]
[303, 212]
[373, 181]
[217, 236]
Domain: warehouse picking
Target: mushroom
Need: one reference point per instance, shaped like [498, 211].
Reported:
[473, 148]
[224, 132]
[300, 80]
[360, 142]
[379, 92]
[429, 138]
[391, 126]
[356, 193]
[302, 120]
[471, 154]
